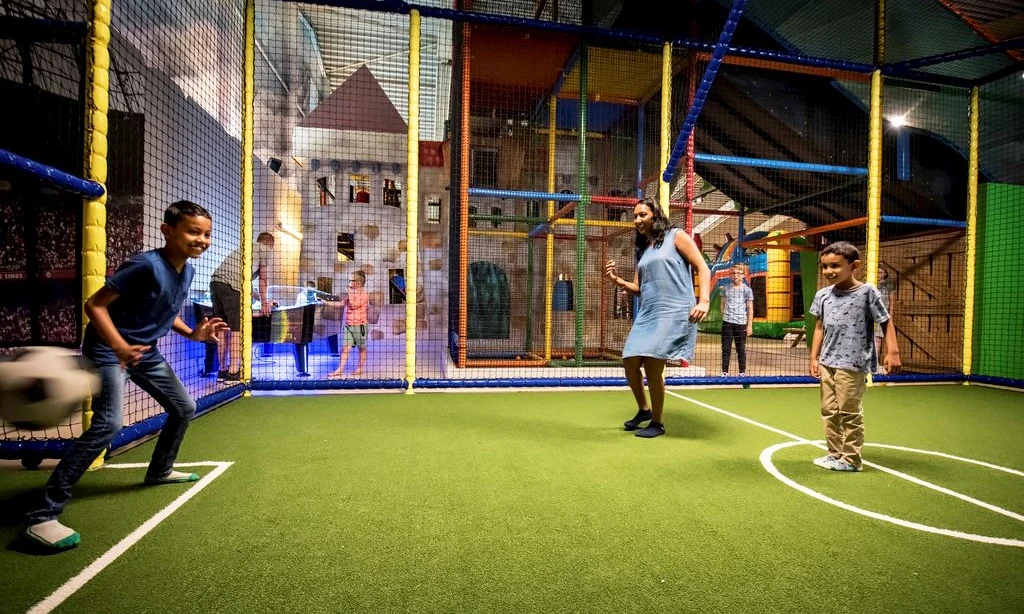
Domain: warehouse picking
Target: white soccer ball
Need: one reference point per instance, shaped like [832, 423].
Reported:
[41, 387]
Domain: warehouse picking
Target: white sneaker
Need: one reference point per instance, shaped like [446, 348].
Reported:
[53, 535]
[825, 462]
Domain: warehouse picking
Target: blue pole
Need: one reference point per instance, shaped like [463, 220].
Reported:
[679, 149]
[923, 221]
[524, 194]
[785, 165]
[903, 154]
[51, 175]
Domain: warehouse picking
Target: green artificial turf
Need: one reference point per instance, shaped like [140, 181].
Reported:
[540, 502]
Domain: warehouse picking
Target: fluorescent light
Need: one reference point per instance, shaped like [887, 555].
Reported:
[898, 120]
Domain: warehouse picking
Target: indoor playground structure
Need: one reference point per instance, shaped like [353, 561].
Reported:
[416, 198]
[469, 169]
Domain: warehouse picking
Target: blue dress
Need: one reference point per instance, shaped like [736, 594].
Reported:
[662, 328]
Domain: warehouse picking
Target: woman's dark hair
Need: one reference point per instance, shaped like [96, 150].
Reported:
[660, 226]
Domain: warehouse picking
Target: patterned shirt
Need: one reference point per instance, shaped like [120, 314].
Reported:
[847, 318]
[734, 303]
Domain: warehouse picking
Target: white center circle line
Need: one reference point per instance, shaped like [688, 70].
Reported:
[766, 462]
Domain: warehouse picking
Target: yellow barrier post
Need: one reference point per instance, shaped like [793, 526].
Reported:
[874, 203]
[972, 234]
[94, 212]
[549, 253]
[664, 193]
[412, 210]
[248, 95]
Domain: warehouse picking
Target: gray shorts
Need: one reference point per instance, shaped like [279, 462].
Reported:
[355, 334]
[227, 304]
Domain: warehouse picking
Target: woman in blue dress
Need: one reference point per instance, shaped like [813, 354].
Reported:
[665, 327]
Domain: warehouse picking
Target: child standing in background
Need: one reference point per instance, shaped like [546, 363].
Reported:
[357, 304]
[737, 318]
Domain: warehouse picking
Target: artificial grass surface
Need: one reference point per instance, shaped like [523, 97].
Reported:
[539, 502]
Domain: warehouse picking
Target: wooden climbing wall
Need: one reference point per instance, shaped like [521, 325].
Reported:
[928, 271]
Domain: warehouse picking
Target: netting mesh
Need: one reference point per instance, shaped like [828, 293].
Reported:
[534, 146]
[997, 331]
[922, 263]
[173, 130]
[41, 81]
[174, 71]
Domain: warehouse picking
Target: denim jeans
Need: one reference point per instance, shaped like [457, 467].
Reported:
[153, 375]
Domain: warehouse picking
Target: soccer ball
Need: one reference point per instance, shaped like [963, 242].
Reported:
[41, 387]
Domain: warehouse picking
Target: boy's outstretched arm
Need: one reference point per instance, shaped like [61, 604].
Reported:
[99, 316]
[207, 330]
[891, 361]
[816, 348]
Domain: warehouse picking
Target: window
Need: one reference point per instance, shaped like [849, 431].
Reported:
[485, 168]
[472, 212]
[433, 209]
[495, 211]
[326, 188]
[396, 286]
[346, 247]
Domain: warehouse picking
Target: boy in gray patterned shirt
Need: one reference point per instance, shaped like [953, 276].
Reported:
[843, 352]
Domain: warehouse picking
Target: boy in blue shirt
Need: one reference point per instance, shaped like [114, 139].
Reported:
[843, 352]
[137, 306]
[737, 318]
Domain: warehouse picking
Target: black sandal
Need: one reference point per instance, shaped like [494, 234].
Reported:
[633, 423]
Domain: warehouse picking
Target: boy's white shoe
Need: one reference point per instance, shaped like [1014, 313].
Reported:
[53, 535]
[173, 477]
[825, 462]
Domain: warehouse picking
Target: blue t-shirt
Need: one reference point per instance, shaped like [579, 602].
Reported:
[150, 294]
[847, 319]
[734, 303]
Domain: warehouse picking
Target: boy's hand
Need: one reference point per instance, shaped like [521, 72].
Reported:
[750, 331]
[700, 311]
[891, 362]
[130, 355]
[209, 328]
[814, 368]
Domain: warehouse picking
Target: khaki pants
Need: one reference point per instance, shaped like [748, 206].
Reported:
[842, 413]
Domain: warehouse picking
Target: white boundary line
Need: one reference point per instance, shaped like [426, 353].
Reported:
[71, 586]
[797, 440]
[766, 461]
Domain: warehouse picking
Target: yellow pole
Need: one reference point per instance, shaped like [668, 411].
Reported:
[248, 95]
[666, 124]
[94, 213]
[549, 254]
[874, 203]
[412, 209]
[972, 234]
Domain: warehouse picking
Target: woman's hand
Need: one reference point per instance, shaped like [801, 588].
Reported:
[700, 311]
[609, 271]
